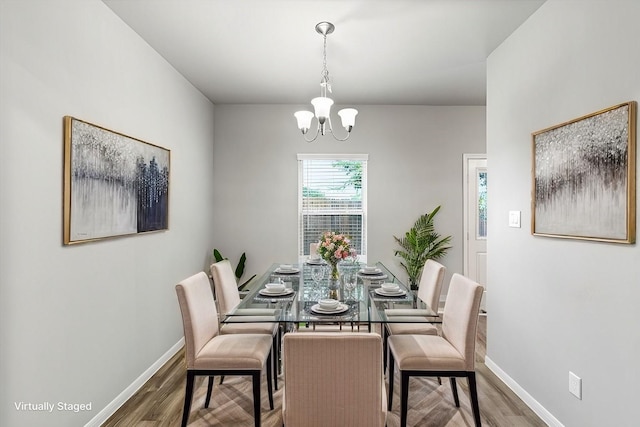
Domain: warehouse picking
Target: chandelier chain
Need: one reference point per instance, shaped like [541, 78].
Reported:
[325, 84]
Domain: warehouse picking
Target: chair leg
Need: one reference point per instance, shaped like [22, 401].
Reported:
[454, 389]
[404, 398]
[281, 331]
[221, 378]
[475, 406]
[269, 376]
[188, 394]
[390, 372]
[385, 349]
[209, 390]
[256, 397]
[274, 358]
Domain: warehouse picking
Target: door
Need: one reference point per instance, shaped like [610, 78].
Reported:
[475, 217]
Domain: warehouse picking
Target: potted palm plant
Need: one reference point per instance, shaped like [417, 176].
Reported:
[419, 244]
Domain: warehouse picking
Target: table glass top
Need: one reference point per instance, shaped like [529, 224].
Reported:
[367, 302]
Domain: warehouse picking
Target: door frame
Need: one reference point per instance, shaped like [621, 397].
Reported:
[465, 207]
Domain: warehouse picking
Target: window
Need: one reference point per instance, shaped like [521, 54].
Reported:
[332, 196]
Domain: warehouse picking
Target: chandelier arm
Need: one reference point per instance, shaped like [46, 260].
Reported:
[314, 136]
[334, 135]
[340, 139]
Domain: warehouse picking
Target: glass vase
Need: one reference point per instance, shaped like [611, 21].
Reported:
[334, 282]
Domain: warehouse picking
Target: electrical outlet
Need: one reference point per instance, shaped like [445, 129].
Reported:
[575, 385]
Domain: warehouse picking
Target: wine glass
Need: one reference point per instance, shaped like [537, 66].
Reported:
[353, 256]
[317, 274]
[350, 282]
[276, 279]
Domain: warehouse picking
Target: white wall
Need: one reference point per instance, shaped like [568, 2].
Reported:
[561, 305]
[415, 164]
[80, 323]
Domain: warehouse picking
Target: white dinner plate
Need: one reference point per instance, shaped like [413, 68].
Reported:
[379, 276]
[289, 271]
[375, 272]
[316, 261]
[341, 308]
[384, 293]
[267, 293]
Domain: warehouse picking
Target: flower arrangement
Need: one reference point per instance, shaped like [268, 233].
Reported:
[333, 248]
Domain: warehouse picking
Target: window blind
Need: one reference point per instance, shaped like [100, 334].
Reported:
[332, 197]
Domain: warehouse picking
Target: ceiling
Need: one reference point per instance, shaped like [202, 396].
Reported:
[390, 52]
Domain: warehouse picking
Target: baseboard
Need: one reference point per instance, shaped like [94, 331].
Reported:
[126, 394]
[535, 406]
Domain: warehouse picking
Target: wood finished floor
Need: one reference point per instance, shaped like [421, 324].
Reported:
[159, 402]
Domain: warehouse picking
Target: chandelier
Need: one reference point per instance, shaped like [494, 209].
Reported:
[322, 104]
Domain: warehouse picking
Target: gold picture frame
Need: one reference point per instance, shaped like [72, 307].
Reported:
[584, 177]
[114, 185]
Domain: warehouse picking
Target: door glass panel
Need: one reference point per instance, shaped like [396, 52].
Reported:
[482, 203]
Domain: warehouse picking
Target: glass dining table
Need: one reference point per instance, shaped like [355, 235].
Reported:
[363, 299]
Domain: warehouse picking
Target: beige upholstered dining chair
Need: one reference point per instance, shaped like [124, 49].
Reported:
[450, 355]
[228, 297]
[207, 353]
[225, 285]
[429, 290]
[333, 379]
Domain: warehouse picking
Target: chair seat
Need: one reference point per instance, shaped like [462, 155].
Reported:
[420, 327]
[408, 312]
[249, 328]
[247, 319]
[425, 353]
[234, 351]
[254, 312]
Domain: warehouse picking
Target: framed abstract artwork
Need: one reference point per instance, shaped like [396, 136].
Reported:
[584, 177]
[114, 185]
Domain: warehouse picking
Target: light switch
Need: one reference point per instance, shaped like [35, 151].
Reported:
[514, 219]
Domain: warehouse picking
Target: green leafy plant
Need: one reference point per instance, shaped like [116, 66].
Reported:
[239, 271]
[419, 244]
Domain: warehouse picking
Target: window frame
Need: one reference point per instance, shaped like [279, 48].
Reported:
[364, 158]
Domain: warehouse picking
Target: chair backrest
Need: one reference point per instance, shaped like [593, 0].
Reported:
[460, 317]
[333, 379]
[224, 282]
[199, 315]
[430, 285]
